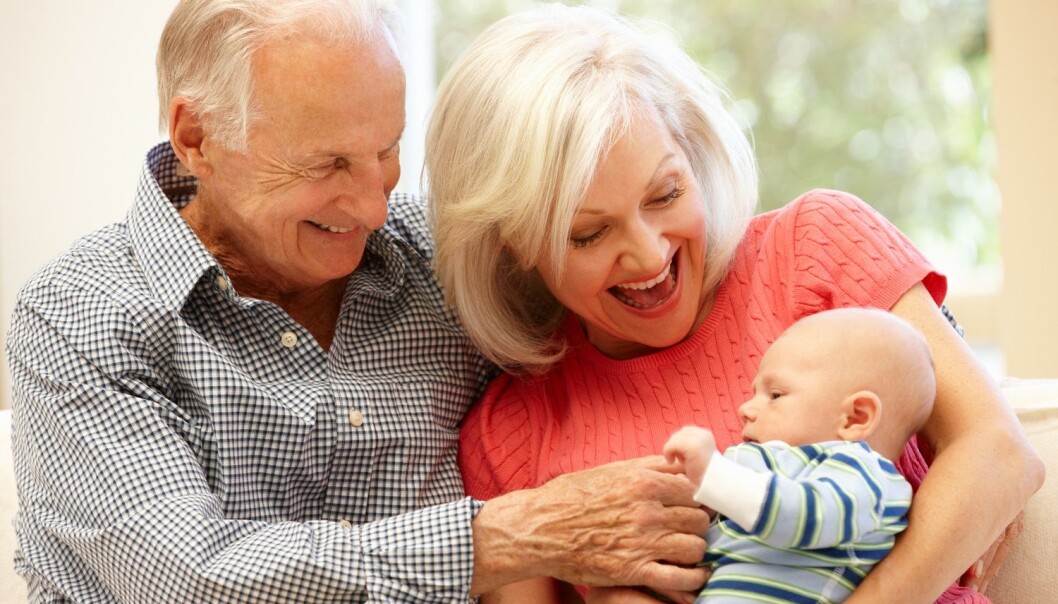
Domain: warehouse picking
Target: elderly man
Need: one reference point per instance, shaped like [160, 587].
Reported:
[250, 389]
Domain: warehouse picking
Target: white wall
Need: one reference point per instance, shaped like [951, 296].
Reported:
[1023, 50]
[78, 113]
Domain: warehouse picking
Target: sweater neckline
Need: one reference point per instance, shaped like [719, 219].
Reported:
[581, 347]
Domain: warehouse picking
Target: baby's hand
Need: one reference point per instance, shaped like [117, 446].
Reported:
[692, 447]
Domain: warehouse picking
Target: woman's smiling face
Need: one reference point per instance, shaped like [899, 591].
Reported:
[636, 260]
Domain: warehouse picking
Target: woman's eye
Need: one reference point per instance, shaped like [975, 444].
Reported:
[579, 242]
[670, 197]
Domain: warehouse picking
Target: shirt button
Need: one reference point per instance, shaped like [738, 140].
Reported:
[222, 283]
[345, 524]
[356, 418]
[289, 339]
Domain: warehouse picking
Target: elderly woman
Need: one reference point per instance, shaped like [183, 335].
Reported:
[593, 203]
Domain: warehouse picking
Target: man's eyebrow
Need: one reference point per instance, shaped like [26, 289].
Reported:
[317, 156]
[657, 171]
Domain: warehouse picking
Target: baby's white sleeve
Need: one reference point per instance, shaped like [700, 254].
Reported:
[733, 490]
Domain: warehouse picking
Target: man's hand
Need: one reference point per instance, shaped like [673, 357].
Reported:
[625, 523]
[692, 447]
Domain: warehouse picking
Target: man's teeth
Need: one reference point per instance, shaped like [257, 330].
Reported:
[332, 229]
[648, 284]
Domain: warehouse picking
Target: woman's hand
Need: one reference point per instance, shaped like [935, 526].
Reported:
[984, 570]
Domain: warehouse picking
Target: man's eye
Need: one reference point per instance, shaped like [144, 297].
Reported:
[340, 163]
[391, 152]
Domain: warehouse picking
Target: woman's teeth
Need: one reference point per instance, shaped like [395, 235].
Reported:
[648, 284]
[333, 229]
[648, 294]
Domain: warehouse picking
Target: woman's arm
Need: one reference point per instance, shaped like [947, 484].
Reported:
[983, 472]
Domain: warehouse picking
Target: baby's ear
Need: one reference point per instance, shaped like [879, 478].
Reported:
[861, 411]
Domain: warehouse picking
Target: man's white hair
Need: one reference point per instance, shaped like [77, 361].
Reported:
[207, 48]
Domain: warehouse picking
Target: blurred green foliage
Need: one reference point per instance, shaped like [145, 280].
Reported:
[886, 99]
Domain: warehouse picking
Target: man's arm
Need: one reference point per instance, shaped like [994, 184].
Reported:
[112, 498]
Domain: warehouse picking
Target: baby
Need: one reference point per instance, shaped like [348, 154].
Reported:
[810, 502]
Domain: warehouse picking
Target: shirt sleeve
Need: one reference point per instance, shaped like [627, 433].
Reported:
[847, 254]
[734, 490]
[838, 496]
[496, 442]
[113, 499]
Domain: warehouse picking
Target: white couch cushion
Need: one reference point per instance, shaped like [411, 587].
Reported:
[1028, 576]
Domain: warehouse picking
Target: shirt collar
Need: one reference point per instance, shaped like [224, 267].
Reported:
[174, 259]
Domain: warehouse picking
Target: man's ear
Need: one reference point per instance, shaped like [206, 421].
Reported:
[862, 413]
[187, 137]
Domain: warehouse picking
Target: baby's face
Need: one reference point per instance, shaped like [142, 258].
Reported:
[797, 398]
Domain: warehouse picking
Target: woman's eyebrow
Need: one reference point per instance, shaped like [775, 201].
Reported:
[658, 171]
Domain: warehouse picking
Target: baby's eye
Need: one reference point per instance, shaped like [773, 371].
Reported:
[775, 395]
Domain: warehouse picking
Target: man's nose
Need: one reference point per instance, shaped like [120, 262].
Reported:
[365, 195]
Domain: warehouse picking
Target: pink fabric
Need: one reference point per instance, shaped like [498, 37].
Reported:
[824, 250]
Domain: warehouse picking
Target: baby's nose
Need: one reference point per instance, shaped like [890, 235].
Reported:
[745, 412]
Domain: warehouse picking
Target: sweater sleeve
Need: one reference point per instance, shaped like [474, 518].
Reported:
[496, 441]
[847, 254]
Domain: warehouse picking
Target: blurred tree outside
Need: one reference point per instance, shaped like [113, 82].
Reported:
[886, 99]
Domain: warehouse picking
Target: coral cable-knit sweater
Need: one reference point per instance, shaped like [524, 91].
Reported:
[824, 250]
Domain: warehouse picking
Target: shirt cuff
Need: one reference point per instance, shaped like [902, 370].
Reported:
[733, 490]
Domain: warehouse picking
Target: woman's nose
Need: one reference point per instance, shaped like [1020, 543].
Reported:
[647, 249]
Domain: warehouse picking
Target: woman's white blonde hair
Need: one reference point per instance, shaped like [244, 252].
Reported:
[207, 47]
[520, 123]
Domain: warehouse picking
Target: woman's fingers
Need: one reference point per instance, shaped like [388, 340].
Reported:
[984, 570]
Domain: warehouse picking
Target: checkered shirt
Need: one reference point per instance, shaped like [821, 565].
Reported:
[175, 442]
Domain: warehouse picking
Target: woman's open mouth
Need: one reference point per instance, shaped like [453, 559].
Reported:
[648, 294]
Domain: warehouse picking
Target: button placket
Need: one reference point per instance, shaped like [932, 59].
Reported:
[356, 418]
[289, 339]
